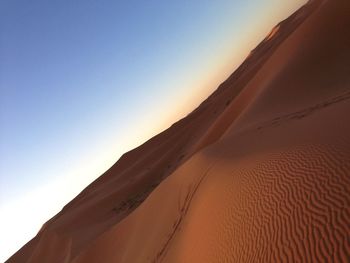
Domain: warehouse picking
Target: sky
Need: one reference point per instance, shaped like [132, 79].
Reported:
[84, 81]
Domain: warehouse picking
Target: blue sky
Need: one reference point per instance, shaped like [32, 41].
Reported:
[83, 81]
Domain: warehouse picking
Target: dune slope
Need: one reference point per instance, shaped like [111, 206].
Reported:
[259, 172]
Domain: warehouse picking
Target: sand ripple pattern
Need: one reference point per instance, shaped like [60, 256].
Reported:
[292, 207]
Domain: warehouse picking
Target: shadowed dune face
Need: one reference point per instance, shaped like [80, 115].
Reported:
[259, 172]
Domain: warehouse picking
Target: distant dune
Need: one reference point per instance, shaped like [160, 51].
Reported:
[259, 172]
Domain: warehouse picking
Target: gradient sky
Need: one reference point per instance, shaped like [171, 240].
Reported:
[84, 81]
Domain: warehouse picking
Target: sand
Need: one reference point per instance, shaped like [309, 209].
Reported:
[259, 172]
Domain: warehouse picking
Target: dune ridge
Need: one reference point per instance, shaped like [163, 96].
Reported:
[259, 172]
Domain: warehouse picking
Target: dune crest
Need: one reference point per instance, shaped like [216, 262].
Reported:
[259, 172]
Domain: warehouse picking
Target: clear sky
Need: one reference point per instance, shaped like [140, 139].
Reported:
[83, 81]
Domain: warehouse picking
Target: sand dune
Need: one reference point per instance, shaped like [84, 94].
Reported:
[259, 172]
